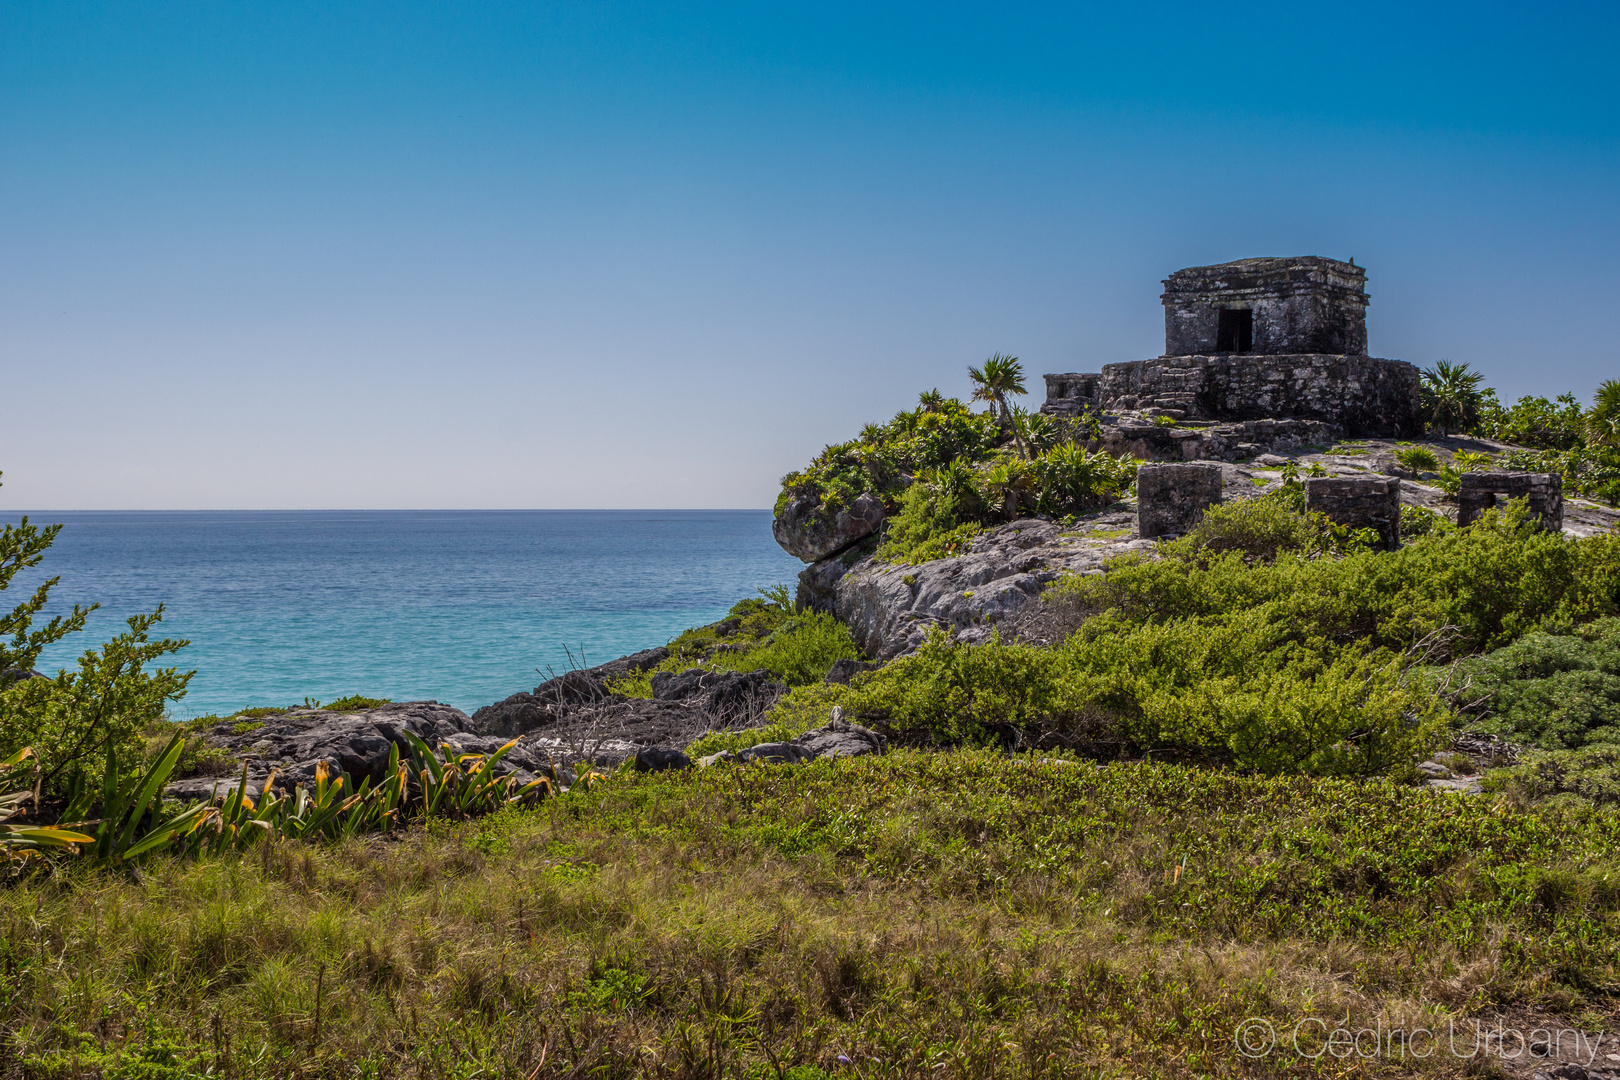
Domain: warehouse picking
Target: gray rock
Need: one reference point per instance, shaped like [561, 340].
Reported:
[806, 531]
[660, 758]
[776, 753]
[516, 715]
[890, 608]
[845, 669]
[294, 743]
[729, 697]
[16, 674]
[839, 738]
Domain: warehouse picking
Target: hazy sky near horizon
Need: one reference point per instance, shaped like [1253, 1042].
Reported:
[608, 255]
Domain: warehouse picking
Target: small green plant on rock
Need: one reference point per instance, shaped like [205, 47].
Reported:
[1417, 459]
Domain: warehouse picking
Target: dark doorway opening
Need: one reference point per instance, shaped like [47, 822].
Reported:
[1235, 332]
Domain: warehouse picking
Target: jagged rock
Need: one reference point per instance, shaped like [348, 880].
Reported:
[730, 697]
[516, 715]
[572, 688]
[660, 758]
[553, 699]
[629, 665]
[16, 674]
[776, 753]
[845, 669]
[890, 608]
[807, 532]
[839, 738]
[295, 742]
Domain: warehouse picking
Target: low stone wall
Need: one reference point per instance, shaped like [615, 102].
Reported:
[1360, 395]
[1071, 394]
[1170, 498]
[1218, 442]
[1479, 491]
[1360, 503]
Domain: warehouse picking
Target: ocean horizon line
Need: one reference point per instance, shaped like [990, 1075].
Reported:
[405, 510]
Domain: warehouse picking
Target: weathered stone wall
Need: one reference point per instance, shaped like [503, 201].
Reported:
[1170, 498]
[1299, 305]
[1072, 393]
[1360, 503]
[1219, 442]
[1479, 491]
[1360, 395]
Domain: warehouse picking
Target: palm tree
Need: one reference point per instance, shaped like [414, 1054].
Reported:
[1000, 376]
[1604, 419]
[1451, 397]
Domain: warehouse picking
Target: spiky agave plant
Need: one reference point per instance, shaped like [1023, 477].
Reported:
[21, 841]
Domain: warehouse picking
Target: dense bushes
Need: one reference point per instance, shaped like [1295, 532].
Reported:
[948, 506]
[943, 472]
[886, 457]
[1245, 642]
[1553, 691]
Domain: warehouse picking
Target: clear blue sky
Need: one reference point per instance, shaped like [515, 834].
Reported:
[498, 255]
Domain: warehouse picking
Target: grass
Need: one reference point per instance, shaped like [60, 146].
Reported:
[954, 914]
[796, 647]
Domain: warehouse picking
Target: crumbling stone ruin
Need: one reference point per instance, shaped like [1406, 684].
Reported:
[1170, 498]
[1480, 491]
[1360, 503]
[1258, 341]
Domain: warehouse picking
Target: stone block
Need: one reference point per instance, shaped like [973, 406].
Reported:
[1479, 491]
[1360, 503]
[1171, 497]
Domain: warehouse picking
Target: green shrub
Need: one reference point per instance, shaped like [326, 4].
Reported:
[1480, 587]
[939, 431]
[1588, 776]
[950, 694]
[800, 651]
[1417, 521]
[929, 525]
[356, 703]
[796, 647]
[1229, 691]
[1536, 422]
[1261, 529]
[1554, 691]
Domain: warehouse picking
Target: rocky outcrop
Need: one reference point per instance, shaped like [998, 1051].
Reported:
[293, 743]
[731, 698]
[808, 532]
[556, 697]
[890, 608]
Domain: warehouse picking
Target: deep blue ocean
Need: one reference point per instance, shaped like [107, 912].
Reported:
[465, 607]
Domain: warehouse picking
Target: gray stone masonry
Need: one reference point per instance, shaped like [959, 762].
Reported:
[1268, 307]
[1362, 396]
[1258, 339]
[1480, 491]
[1360, 503]
[1071, 394]
[1171, 497]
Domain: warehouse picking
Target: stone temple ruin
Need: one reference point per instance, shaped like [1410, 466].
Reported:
[1259, 354]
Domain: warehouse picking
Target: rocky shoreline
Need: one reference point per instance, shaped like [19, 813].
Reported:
[577, 720]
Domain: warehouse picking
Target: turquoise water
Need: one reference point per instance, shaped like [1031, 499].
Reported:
[465, 607]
